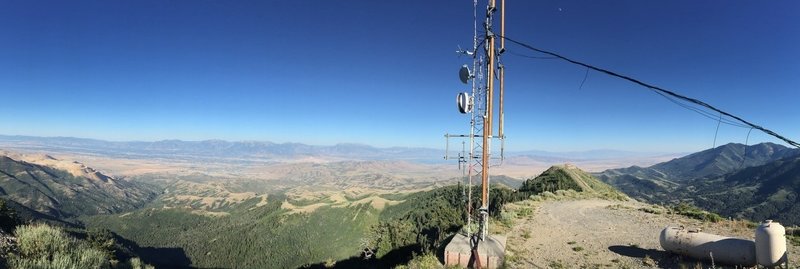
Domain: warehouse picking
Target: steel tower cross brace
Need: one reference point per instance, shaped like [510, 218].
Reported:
[487, 68]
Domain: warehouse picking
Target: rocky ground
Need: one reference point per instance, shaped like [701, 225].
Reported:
[595, 233]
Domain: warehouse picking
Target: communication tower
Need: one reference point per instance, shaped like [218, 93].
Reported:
[484, 77]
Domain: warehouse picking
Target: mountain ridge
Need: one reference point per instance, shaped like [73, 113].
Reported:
[64, 189]
[768, 191]
[756, 182]
[569, 177]
[215, 148]
[266, 150]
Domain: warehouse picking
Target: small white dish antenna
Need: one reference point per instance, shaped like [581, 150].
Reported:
[464, 103]
[464, 74]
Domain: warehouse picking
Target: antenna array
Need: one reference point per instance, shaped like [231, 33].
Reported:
[478, 104]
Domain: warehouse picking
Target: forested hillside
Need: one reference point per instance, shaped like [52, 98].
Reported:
[421, 225]
[569, 177]
[266, 236]
[758, 193]
[756, 182]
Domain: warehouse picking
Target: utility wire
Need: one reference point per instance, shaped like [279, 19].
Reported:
[584, 79]
[716, 132]
[744, 155]
[532, 57]
[657, 89]
[697, 110]
[702, 112]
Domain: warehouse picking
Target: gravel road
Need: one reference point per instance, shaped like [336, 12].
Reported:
[594, 233]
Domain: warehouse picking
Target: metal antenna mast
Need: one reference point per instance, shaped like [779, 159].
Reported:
[486, 68]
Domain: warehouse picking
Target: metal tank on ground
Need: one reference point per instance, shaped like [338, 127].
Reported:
[709, 247]
[769, 248]
[771, 244]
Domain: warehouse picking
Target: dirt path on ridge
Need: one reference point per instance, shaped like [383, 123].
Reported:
[597, 233]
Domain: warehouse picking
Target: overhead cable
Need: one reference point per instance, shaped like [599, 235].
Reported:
[656, 89]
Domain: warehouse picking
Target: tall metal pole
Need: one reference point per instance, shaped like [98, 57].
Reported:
[502, 25]
[487, 127]
[501, 70]
[487, 68]
[472, 117]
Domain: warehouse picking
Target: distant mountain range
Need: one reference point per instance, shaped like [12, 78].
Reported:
[756, 182]
[244, 151]
[214, 149]
[597, 154]
[768, 191]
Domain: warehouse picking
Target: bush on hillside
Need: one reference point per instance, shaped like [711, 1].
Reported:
[425, 261]
[557, 180]
[8, 217]
[43, 247]
[696, 213]
[102, 239]
[136, 263]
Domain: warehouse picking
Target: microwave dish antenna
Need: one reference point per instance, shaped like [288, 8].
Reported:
[464, 101]
[464, 74]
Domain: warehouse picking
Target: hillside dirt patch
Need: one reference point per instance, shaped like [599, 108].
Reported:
[597, 233]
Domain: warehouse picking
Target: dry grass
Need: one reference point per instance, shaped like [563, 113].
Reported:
[305, 200]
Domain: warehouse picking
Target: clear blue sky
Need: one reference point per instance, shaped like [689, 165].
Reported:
[384, 73]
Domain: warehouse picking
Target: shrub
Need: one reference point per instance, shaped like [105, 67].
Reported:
[696, 213]
[548, 195]
[524, 212]
[794, 240]
[8, 217]
[650, 210]
[43, 247]
[330, 263]
[102, 239]
[425, 261]
[82, 258]
[41, 240]
[136, 263]
[507, 218]
[556, 265]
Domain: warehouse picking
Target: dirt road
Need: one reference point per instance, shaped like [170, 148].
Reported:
[601, 234]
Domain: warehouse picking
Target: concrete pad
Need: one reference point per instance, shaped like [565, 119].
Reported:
[492, 251]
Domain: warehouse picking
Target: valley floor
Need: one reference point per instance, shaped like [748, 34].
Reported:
[602, 234]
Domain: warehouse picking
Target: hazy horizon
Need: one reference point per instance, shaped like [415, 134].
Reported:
[514, 151]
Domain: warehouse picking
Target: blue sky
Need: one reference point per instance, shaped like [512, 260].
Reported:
[384, 73]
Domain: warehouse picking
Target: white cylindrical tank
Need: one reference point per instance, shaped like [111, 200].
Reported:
[770, 244]
[704, 246]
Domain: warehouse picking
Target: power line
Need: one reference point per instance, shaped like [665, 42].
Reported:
[584, 79]
[702, 112]
[716, 132]
[656, 89]
[697, 110]
[744, 155]
[533, 57]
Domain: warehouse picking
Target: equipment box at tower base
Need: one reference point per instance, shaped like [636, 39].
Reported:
[491, 251]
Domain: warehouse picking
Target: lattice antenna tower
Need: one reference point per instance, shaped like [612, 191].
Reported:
[486, 70]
